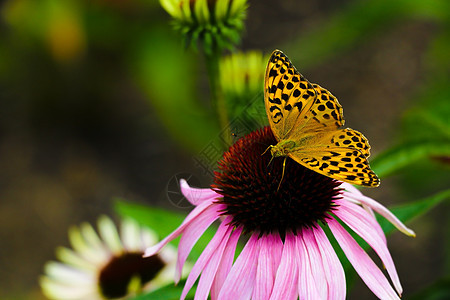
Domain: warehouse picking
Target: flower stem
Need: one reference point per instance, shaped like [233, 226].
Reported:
[217, 99]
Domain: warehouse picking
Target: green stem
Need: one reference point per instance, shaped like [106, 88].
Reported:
[217, 99]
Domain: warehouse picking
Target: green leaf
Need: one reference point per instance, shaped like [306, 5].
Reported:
[151, 217]
[168, 292]
[402, 155]
[408, 212]
[162, 221]
[429, 119]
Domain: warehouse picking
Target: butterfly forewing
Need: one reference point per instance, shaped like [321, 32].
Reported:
[325, 114]
[288, 95]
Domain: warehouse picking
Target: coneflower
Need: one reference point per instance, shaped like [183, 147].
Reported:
[287, 254]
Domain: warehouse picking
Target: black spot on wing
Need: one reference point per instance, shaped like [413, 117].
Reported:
[275, 101]
[273, 73]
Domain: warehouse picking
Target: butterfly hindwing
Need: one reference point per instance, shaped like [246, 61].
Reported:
[349, 138]
[344, 164]
[288, 95]
[341, 154]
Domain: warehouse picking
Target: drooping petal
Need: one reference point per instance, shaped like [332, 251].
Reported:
[241, 279]
[225, 264]
[276, 249]
[83, 248]
[350, 187]
[108, 233]
[306, 283]
[286, 280]
[210, 270]
[196, 195]
[148, 237]
[64, 273]
[269, 257]
[334, 272]
[55, 289]
[382, 211]
[92, 239]
[363, 264]
[265, 273]
[191, 235]
[204, 209]
[363, 224]
[131, 235]
[217, 244]
[315, 259]
[73, 259]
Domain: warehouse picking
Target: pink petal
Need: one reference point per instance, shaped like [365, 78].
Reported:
[196, 195]
[209, 272]
[368, 209]
[306, 283]
[270, 247]
[375, 223]
[363, 264]
[350, 187]
[363, 224]
[317, 268]
[241, 279]
[381, 210]
[334, 272]
[277, 249]
[225, 263]
[287, 274]
[222, 232]
[207, 208]
[191, 235]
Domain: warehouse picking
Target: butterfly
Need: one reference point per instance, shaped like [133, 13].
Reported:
[306, 120]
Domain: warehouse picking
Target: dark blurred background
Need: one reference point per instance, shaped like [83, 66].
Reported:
[96, 103]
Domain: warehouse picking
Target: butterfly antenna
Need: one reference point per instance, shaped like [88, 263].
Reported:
[282, 173]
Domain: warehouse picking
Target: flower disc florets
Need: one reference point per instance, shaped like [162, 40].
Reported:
[249, 182]
[115, 277]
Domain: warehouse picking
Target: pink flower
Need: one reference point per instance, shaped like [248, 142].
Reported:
[287, 255]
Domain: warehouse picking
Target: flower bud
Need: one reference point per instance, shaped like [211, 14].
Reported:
[215, 25]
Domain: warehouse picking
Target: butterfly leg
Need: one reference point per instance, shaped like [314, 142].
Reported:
[282, 173]
[270, 147]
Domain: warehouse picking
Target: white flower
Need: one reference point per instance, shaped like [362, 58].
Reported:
[107, 265]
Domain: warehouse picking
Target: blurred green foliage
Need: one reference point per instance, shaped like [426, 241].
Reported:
[169, 292]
